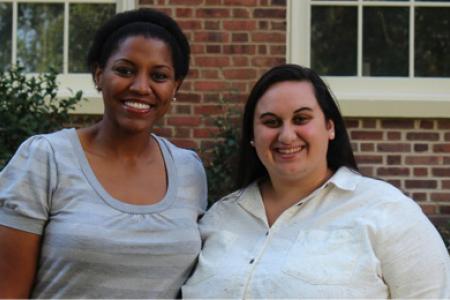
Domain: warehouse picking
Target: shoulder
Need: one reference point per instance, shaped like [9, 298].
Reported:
[179, 154]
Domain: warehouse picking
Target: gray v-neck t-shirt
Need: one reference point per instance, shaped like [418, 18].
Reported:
[93, 245]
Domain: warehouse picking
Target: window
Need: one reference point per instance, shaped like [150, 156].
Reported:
[54, 33]
[381, 58]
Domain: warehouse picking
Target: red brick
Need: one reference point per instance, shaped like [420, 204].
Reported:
[181, 132]
[367, 170]
[239, 49]
[205, 132]
[441, 148]
[243, 73]
[420, 172]
[241, 2]
[212, 13]
[212, 25]
[213, 49]
[212, 61]
[444, 210]
[184, 13]
[397, 147]
[394, 160]
[188, 97]
[278, 50]
[197, 49]
[185, 2]
[447, 136]
[351, 123]
[213, 2]
[369, 123]
[184, 121]
[239, 37]
[441, 172]
[420, 184]
[393, 171]
[268, 61]
[241, 13]
[425, 124]
[278, 25]
[394, 135]
[395, 182]
[263, 37]
[209, 109]
[366, 135]
[354, 147]
[262, 49]
[446, 160]
[211, 36]
[210, 74]
[209, 86]
[239, 25]
[190, 24]
[428, 209]
[444, 124]
[422, 136]
[422, 160]
[278, 2]
[182, 109]
[420, 147]
[441, 197]
[367, 147]
[446, 184]
[369, 159]
[401, 124]
[270, 13]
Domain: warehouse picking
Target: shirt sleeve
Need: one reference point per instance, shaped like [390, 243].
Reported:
[414, 260]
[26, 186]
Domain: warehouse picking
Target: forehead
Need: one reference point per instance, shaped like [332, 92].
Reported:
[143, 47]
[288, 95]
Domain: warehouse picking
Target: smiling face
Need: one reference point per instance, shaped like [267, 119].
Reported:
[137, 83]
[291, 134]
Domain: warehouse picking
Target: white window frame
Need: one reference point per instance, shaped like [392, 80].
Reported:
[360, 96]
[69, 82]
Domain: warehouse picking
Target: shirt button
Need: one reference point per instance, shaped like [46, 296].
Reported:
[251, 261]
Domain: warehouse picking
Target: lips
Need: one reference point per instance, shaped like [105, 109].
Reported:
[290, 150]
[138, 106]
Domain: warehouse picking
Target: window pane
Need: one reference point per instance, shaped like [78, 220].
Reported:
[84, 18]
[334, 40]
[386, 41]
[40, 36]
[432, 42]
[5, 35]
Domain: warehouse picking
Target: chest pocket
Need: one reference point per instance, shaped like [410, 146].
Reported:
[325, 257]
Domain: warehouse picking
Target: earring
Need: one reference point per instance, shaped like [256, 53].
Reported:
[252, 143]
[332, 135]
[174, 99]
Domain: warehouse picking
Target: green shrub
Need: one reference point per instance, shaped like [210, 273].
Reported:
[221, 159]
[28, 106]
[444, 231]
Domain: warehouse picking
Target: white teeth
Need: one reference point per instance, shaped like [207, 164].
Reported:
[290, 150]
[137, 105]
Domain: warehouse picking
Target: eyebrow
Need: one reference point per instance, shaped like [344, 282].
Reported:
[301, 109]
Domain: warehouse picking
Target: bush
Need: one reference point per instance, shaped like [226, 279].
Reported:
[28, 106]
[221, 159]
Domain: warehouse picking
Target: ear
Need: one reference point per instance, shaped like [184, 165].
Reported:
[98, 78]
[331, 129]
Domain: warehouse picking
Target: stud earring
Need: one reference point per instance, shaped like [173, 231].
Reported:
[252, 143]
[174, 99]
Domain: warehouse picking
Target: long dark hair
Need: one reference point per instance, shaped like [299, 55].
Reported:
[339, 152]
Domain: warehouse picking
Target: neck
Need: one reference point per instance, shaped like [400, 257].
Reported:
[104, 140]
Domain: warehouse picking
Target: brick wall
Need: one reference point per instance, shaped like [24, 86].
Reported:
[235, 41]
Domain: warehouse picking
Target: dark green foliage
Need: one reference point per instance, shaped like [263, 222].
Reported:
[221, 159]
[444, 230]
[28, 106]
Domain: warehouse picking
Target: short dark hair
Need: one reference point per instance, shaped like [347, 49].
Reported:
[144, 21]
[339, 152]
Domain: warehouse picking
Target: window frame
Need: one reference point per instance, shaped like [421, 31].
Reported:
[374, 96]
[71, 82]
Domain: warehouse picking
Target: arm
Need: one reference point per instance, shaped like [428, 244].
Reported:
[19, 252]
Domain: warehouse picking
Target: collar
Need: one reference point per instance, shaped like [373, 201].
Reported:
[345, 179]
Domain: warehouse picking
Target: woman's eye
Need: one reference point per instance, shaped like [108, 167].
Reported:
[124, 71]
[300, 120]
[271, 123]
[159, 77]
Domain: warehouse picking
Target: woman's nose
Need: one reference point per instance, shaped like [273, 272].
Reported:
[140, 84]
[287, 134]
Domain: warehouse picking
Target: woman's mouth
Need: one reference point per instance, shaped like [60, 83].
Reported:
[290, 150]
[137, 106]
